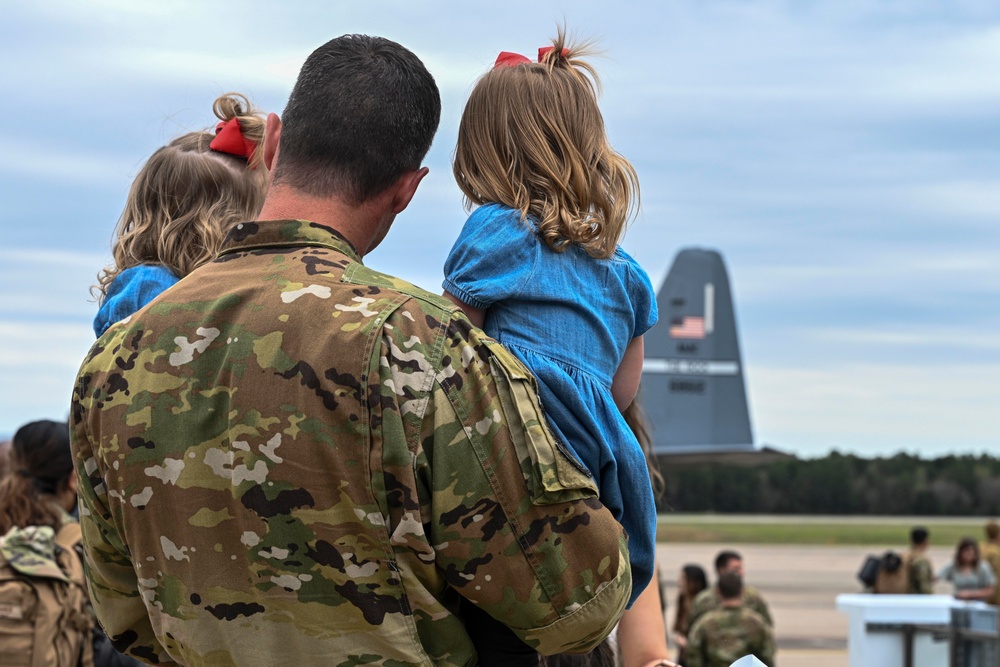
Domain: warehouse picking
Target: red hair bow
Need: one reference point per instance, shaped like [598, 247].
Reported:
[508, 59]
[229, 139]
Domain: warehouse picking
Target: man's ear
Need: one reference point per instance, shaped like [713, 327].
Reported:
[272, 135]
[406, 187]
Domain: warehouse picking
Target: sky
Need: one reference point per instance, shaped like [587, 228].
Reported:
[843, 156]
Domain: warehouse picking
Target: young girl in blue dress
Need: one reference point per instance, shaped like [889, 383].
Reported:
[180, 207]
[537, 265]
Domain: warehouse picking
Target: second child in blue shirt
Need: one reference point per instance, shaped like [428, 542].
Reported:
[182, 203]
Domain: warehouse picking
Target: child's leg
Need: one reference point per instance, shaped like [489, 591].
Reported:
[495, 643]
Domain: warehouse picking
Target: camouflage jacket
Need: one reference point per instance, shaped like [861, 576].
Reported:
[919, 573]
[726, 634]
[289, 458]
[709, 600]
[990, 552]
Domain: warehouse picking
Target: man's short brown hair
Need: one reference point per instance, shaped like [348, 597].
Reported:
[363, 112]
[730, 586]
[992, 530]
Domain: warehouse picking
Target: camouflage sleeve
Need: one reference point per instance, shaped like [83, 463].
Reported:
[923, 578]
[516, 526]
[756, 602]
[112, 581]
[766, 652]
[702, 603]
[695, 654]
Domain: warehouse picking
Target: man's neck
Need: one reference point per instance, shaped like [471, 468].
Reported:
[358, 223]
[732, 604]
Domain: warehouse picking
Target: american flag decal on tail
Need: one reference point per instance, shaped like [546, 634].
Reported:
[688, 327]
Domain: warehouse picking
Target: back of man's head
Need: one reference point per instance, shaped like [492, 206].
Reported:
[730, 586]
[992, 530]
[919, 536]
[363, 112]
[725, 560]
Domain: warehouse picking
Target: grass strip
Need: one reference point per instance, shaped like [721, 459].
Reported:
[835, 532]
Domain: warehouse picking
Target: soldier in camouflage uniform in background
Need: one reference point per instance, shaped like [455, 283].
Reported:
[919, 571]
[989, 551]
[711, 598]
[732, 630]
[290, 458]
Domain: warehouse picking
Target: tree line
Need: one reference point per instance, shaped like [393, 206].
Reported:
[839, 484]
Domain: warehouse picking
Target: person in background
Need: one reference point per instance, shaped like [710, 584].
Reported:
[972, 577]
[730, 631]
[41, 487]
[36, 499]
[691, 582]
[728, 561]
[989, 550]
[893, 575]
[185, 199]
[919, 571]
[4, 458]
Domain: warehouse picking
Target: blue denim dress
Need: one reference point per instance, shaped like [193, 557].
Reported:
[569, 318]
[131, 289]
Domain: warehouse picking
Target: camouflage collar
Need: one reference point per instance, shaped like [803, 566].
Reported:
[292, 233]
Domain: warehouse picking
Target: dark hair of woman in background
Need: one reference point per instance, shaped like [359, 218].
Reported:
[40, 481]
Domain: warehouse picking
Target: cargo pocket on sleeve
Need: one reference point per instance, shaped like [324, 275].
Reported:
[552, 474]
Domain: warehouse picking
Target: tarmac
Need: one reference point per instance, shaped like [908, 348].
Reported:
[800, 584]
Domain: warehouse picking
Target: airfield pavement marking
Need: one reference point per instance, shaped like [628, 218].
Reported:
[800, 584]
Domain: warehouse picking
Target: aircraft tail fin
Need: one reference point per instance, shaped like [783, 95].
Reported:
[692, 381]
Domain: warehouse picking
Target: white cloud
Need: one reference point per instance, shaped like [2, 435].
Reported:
[948, 276]
[942, 338]
[48, 284]
[873, 408]
[960, 199]
[42, 157]
[38, 363]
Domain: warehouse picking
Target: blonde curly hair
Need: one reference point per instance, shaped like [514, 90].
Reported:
[187, 197]
[532, 138]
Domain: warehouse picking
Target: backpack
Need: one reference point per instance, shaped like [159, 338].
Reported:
[893, 575]
[868, 573]
[44, 616]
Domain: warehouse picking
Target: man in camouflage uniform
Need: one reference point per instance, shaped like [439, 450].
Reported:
[730, 631]
[711, 598]
[989, 551]
[919, 571]
[290, 458]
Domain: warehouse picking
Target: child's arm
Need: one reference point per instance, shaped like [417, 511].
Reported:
[642, 637]
[478, 315]
[626, 381]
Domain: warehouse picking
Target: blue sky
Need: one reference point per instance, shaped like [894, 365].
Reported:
[844, 156]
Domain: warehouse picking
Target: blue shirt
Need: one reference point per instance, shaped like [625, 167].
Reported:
[569, 318]
[131, 289]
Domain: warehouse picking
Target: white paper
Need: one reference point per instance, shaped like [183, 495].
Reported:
[748, 661]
